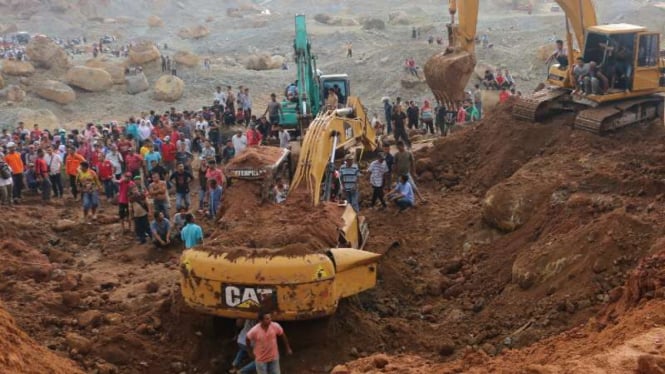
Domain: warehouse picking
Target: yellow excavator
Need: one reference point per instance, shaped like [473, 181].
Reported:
[238, 282]
[627, 55]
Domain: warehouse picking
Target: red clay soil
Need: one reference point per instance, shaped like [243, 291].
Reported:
[248, 227]
[256, 157]
[20, 354]
[631, 340]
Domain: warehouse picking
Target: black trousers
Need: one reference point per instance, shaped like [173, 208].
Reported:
[142, 227]
[56, 183]
[377, 194]
[73, 186]
[17, 179]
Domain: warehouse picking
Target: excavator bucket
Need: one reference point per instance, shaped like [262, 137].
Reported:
[447, 74]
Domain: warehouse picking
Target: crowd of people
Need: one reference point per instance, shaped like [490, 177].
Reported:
[144, 165]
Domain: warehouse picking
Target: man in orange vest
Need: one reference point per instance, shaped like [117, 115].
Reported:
[13, 159]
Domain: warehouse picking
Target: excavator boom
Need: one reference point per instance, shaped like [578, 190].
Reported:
[330, 131]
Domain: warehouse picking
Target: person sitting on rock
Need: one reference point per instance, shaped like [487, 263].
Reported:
[489, 82]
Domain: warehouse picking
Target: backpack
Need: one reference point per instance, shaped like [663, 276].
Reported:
[5, 172]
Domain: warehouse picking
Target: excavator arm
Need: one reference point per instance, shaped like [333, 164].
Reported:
[330, 131]
[463, 34]
[580, 15]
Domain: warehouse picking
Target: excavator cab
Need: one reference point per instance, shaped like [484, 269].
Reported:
[338, 82]
[627, 55]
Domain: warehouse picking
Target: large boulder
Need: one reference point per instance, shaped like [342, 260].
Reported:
[136, 83]
[142, 53]
[44, 117]
[55, 91]
[186, 58]
[370, 23]
[45, 53]
[17, 68]
[89, 79]
[12, 93]
[264, 61]
[169, 88]
[399, 18]
[154, 21]
[331, 20]
[115, 69]
[193, 32]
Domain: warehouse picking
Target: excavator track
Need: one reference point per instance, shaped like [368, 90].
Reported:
[620, 114]
[536, 106]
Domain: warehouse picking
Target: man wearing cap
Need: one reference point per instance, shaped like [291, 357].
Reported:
[13, 159]
[377, 170]
[349, 174]
[89, 184]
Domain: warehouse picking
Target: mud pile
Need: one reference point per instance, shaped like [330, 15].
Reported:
[249, 226]
[20, 354]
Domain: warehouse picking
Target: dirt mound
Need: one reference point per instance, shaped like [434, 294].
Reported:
[20, 354]
[256, 158]
[249, 225]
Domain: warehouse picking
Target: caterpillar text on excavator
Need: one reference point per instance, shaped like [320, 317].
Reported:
[311, 256]
[615, 77]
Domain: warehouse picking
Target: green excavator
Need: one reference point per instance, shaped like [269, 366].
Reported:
[304, 98]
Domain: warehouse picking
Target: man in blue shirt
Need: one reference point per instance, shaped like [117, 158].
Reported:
[191, 234]
[153, 155]
[161, 230]
[402, 194]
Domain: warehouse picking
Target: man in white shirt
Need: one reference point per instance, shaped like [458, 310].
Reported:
[239, 141]
[202, 124]
[115, 158]
[220, 96]
[54, 163]
[145, 129]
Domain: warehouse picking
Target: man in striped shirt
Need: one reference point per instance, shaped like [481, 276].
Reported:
[349, 174]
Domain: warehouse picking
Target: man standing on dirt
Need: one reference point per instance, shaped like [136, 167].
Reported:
[399, 120]
[159, 194]
[182, 180]
[54, 163]
[263, 340]
[412, 113]
[13, 159]
[273, 110]
[72, 162]
[377, 171]
[405, 164]
[388, 112]
[42, 174]
[89, 184]
[349, 174]
[191, 234]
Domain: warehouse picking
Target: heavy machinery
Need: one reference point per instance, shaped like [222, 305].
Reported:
[304, 98]
[627, 102]
[235, 282]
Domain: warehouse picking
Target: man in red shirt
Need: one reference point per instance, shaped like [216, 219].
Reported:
[41, 173]
[168, 153]
[125, 185]
[263, 340]
[105, 173]
[254, 137]
[133, 162]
